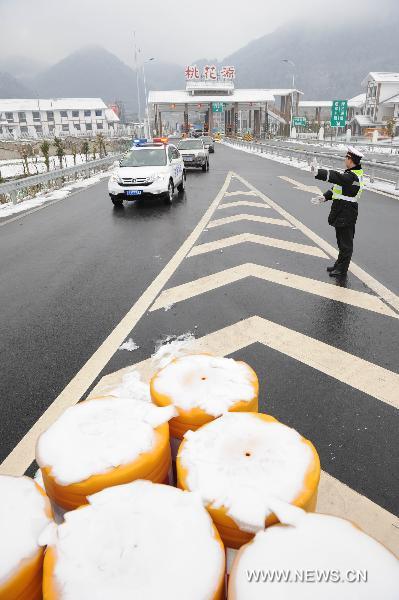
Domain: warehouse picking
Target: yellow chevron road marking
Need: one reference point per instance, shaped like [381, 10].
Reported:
[243, 203]
[304, 284]
[383, 292]
[245, 217]
[241, 193]
[243, 238]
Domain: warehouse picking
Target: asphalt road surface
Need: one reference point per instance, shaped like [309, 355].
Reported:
[240, 262]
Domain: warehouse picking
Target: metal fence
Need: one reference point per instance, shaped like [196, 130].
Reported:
[16, 189]
[374, 169]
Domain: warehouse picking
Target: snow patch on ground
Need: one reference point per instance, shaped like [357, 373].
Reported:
[132, 387]
[211, 383]
[96, 436]
[22, 519]
[317, 543]
[129, 345]
[9, 209]
[171, 347]
[247, 465]
[139, 540]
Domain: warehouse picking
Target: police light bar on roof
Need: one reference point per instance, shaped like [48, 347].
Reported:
[139, 141]
[162, 140]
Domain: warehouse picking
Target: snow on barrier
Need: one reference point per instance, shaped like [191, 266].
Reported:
[25, 513]
[102, 443]
[139, 540]
[202, 387]
[243, 465]
[313, 557]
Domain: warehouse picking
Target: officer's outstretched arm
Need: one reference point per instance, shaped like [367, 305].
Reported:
[336, 176]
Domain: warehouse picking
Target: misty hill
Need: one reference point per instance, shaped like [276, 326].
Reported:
[21, 67]
[330, 61]
[10, 87]
[94, 72]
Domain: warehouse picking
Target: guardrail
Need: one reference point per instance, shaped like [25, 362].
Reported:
[374, 169]
[366, 144]
[55, 178]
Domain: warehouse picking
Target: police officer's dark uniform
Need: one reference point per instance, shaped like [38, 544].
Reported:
[347, 189]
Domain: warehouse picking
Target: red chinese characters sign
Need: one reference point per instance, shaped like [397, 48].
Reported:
[209, 73]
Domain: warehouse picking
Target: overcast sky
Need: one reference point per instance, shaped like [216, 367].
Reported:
[177, 31]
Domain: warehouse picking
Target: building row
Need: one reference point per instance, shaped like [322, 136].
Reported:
[62, 117]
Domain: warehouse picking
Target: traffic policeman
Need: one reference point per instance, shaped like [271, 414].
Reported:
[345, 195]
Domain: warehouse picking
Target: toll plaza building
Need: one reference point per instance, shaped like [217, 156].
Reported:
[220, 106]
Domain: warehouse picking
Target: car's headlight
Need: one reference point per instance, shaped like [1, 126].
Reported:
[115, 179]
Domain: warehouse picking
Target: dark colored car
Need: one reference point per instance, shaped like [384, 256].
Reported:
[208, 143]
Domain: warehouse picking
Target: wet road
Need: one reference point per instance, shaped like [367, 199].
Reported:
[326, 355]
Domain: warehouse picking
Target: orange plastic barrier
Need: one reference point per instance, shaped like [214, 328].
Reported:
[26, 582]
[153, 465]
[232, 536]
[52, 590]
[197, 417]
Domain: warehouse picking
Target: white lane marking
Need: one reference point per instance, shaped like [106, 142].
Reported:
[242, 203]
[257, 239]
[246, 217]
[312, 189]
[383, 292]
[305, 284]
[334, 497]
[23, 454]
[241, 193]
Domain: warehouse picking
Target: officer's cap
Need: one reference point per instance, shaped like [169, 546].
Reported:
[354, 154]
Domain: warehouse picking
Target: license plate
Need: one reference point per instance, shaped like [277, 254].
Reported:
[133, 192]
[188, 158]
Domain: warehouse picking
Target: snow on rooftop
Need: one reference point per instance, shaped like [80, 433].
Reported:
[315, 103]
[139, 540]
[383, 76]
[182, 97]
[18, 104]
[96, 436]
[358, 100]
[245, 464]
[22, 519]
[211, 383]
[317, 543]
[111, 115]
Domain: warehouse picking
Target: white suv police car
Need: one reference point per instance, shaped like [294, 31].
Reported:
[148, 168]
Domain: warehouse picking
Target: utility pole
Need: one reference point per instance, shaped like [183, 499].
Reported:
[137, 80]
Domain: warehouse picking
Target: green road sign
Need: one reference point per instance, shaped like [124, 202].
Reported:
[339, 111]
[299, 121]
[217, 107]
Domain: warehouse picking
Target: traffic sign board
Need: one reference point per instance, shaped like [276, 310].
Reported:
[217, 107]
[299, 121]
[339, 111]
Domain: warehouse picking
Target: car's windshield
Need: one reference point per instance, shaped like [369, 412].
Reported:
[190, 145]
[143, 157]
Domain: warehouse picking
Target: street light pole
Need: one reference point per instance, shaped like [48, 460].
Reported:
[147, 133]
[291, 62]
[137, 80]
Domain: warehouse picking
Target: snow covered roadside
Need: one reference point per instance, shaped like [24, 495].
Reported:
[376, 186]
[9, 209]
[12, 167]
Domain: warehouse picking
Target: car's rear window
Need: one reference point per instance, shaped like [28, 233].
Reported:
[145, 157]
[190, 145]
